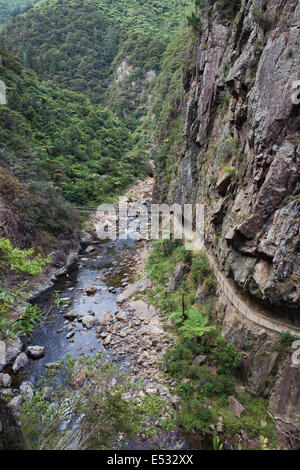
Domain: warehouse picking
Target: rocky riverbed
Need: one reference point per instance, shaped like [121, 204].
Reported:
[103, 309]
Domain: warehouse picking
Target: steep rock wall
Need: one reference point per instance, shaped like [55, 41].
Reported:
[241, 157]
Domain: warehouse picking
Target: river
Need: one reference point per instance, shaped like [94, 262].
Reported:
[110, 267]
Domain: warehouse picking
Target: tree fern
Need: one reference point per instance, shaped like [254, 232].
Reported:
[196, 325]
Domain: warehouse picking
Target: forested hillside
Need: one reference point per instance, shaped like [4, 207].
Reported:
[53, 139]
[56, 148]
[160, 135]
[10, 8]
[112, 56]
[59, 136]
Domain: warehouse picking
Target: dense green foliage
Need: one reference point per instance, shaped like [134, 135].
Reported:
[10, 8]
[78, 147]
[161, 132]
[59, 137]
[205, 368]
[91, 413]
[55, 42]
[18, 260]
[11, 324]
[13, 299]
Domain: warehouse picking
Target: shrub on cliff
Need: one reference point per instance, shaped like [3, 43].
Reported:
[226, 357]
[261, 17]
[200, 267]
[226, 8]
[18, 260]
[11, 300]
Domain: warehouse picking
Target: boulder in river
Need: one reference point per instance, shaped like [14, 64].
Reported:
[90, 249]
[134, 289]
[36, 352]
[88, 321]
[91, 290]
[71, 315]
[105, 319]
[21, 361]
[26, 390]
[85, 237]
[9, 351]
[13, 348]
[5, 380]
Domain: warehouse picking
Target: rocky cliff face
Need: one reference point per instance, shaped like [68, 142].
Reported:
[241, 159]
[10, 434]
[241, 156]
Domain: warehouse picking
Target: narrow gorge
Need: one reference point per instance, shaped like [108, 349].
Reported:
[139, 342]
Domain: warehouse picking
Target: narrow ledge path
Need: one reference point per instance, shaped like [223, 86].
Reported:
[244, 309]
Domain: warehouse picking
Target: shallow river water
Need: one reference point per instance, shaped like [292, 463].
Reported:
[108, 268]
[109, 258]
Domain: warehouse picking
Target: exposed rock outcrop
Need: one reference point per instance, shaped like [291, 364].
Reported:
[10, 436]
[9, 351]
[241, 157]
